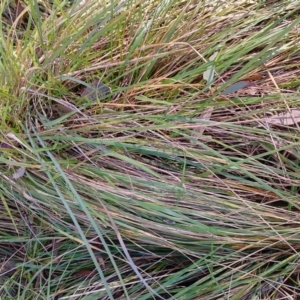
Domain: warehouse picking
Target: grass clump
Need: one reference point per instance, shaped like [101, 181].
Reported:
[164, 186]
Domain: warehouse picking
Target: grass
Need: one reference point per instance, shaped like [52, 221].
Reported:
[165, 188]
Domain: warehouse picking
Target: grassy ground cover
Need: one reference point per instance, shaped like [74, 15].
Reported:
[142, 154]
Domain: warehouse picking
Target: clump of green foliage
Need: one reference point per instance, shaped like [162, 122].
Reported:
[164, 186]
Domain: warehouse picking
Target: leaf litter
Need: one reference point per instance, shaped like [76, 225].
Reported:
[290, 117]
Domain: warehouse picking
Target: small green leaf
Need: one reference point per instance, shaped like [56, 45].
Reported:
[236, 87]
[208, 75]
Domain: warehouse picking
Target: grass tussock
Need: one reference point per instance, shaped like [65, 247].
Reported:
[165, 187]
